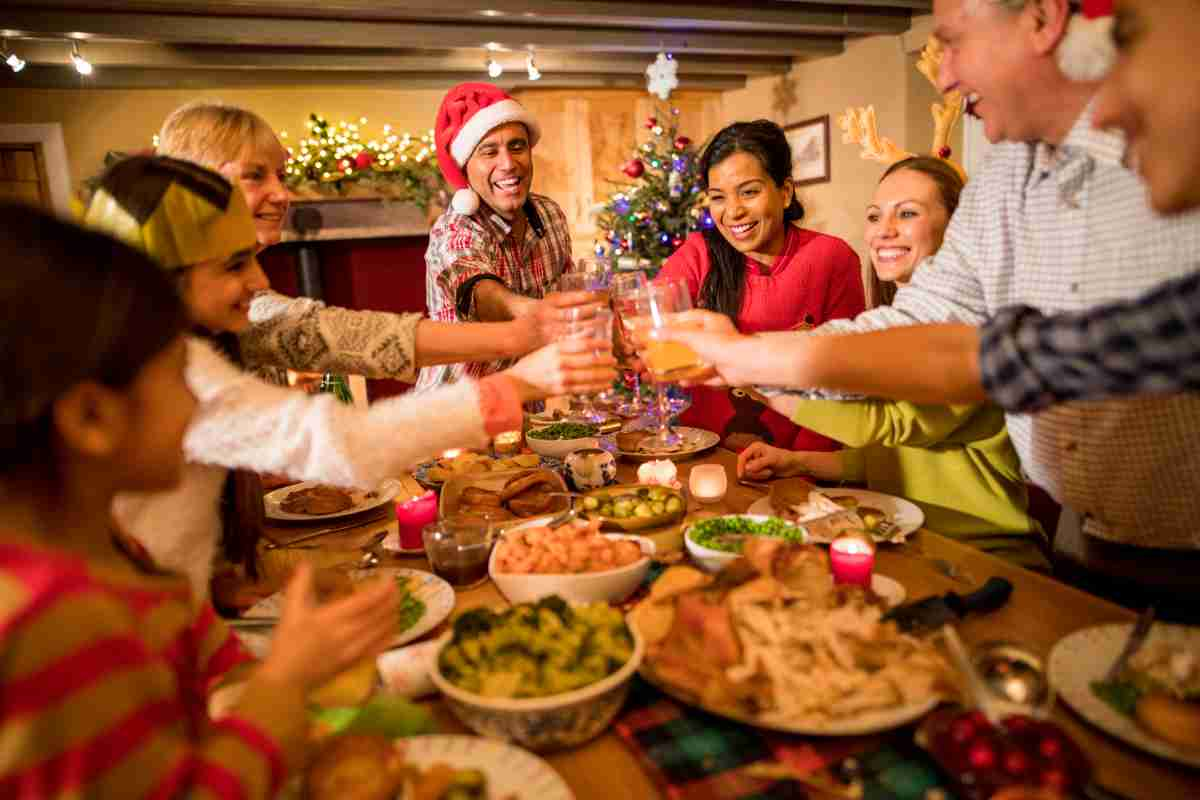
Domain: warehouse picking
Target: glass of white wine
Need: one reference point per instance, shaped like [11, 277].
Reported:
[660, 305]
[589, 322]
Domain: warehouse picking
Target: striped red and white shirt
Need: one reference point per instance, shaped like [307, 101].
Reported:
[463, 249]
[106, 668]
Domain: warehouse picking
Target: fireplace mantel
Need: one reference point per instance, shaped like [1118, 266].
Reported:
[336, 218]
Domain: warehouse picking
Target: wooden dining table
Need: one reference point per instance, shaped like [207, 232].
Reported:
[1040, 612]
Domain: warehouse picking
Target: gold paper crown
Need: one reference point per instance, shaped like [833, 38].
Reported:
[859, 127]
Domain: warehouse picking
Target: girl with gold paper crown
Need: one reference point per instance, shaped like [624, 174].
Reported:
[196, 225]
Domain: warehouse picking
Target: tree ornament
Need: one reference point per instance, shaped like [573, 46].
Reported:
[662, 76]
[945, 152]
[682, 142]
[364, 159]
[658, 131]
[651, 122]
[345, 164]
[634, 168]
[676, 242]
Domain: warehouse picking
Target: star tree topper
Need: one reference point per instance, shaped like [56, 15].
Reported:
[662, 76]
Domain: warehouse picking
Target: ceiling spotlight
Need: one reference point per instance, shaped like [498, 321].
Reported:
[494, 69]
[14, 61]
[534, 73]
[82, 65]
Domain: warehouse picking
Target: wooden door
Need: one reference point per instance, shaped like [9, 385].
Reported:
[23, 174]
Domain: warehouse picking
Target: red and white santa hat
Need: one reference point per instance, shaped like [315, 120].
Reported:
[1087, 53]
[468, 113]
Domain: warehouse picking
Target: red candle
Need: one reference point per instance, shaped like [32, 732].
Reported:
[851, 559]
[413, 515]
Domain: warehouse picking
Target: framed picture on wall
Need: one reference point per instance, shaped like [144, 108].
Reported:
[810, 150]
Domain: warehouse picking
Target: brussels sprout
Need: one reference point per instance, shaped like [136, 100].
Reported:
[622, 510]
[674, 504]
[643, 510]
[658, 508]
[606, 510]
[658, 493]
[643, 492]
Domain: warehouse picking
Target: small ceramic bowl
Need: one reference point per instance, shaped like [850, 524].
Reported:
[542, 723]
[606, 586]
[710, 559]
[591, 468]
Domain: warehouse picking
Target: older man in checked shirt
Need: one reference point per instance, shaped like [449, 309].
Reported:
[1056, 222]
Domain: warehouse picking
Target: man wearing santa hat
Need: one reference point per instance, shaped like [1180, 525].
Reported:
[498, 251]
[1055, 221]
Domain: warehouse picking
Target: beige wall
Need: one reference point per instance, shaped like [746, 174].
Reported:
[873, 71]
[98, 120]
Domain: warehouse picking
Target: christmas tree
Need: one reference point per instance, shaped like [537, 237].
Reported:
[647, 219]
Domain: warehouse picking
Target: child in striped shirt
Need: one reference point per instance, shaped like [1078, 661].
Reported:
[105, 662]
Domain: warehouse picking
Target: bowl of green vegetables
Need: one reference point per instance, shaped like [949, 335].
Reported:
[633, 507]
[714, 542]
[561, 438]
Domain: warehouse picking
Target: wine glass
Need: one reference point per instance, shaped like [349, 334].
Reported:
[658, 306]
[624, 287]
[589, 322]
[588, 275]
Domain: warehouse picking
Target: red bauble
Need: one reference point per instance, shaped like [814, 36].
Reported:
[634, 168]
[364, 159]
[345, 164]
[944, 152]
[676, 242]
[982, 755]
[682, 142]
[650, 123]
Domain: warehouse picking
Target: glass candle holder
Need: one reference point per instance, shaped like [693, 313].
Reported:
[413, 515]
[708, 483]
[507, 443]
[852, 559]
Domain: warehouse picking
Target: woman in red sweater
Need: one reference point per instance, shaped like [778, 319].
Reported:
[762, 270]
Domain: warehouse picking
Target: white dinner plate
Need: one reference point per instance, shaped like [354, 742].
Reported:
[1084, 656]
[905, 515]
[511, 772]
[363, 501]
[435, 593]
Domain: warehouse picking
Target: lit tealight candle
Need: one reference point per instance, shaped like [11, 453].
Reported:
[448, 454]
[657, 473]
[507, 443]
[852, 559]
[413, 515]
[708, 483]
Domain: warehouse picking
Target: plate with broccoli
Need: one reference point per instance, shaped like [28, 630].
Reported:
[633, 507]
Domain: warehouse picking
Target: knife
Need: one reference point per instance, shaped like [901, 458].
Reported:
[932, 613]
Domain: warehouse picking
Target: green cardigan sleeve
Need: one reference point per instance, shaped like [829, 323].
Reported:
[896, 424]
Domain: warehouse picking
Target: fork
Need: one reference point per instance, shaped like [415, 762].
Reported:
[1136, 638]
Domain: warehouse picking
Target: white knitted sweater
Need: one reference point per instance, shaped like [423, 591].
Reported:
[243, 422]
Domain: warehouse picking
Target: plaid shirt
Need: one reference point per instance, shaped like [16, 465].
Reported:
[1063, 229]
[1146, 346]
[464, 249]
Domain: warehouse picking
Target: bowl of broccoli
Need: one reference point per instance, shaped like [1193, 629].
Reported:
[544, 675]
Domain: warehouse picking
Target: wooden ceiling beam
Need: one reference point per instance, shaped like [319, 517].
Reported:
[39, 76]
[263, 31]
[471, 61]
[772, 16]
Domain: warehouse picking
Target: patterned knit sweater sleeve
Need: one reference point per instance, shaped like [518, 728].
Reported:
[308, 336]
[102, 694]
[243, 422]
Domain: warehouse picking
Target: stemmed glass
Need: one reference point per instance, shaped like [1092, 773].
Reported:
[588, 275]
[589, 322]
[624, 288]
[659, 305]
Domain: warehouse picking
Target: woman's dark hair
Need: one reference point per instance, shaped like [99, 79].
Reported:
[75, 306]
[949, 185]
[725, 284]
